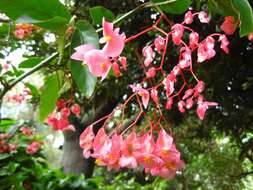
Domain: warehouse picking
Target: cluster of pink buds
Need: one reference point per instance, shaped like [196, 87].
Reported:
[99, 61]
[6, 147]
[160, 157]
[59, 118]
[23, 30]
[33, 147]
[20, 97]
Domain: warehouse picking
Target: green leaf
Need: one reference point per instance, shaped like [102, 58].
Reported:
[33, 89]
[97, 13]
[224, 8]
[85, 81]
[245, 13]
[175, 7]
[36, 11]
[50, 94]
[31, 62]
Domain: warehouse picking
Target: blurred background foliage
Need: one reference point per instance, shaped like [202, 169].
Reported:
[218, 151]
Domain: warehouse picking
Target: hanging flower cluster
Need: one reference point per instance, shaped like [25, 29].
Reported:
[23, 30]
[101, 61]
[59, 118]
[129, 150]
[19, 97]
[158, 157]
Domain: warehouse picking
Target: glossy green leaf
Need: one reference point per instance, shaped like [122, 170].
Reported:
[49, 14]
[175, 7]
[85, 81]
[31, 62]
[224, 7]
[49, 95]
[97, 13]
[245, 14]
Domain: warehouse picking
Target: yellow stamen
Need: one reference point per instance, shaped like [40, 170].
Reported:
[103, 66]
[107, 38]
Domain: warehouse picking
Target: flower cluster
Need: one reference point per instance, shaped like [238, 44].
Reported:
[59, 118]
[6, 147]
[99, 61]
[33, 147]
[158, 157]
[19, 97]
[26, 131]
[23, 30]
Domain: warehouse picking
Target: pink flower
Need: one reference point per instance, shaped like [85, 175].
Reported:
[33, 148]
[129, 148]
[200, 87]
[163, 143]
[176, 70]
[65, 112]
[151, 72]
[177, 33]
[100, 140]
[86, 140]
[181, 105]
[149, 55]
[206, 50]
[115, 68]
[19, 34]
[202, 107]
[60, 104]
[114, 41]
[80, 52]
[229, 25]
[159, 43]
[143, 93]
[189, 103]
[186, 60]
[193, 40]
[169, 104]
[203, 17]
[188, 18]
[98, 63]
[26, 131]
[224, 43]
[154, 95]
[169, 84]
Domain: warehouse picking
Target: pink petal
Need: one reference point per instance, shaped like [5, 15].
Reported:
[99, 65]
[115, 46]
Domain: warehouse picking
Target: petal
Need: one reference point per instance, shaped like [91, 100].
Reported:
[77, 56]
[115, 46]
[84, 48]
[107, 28]
[99, 65]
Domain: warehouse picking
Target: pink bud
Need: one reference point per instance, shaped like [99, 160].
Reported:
[123, 62]
[229, 25]
[181, 105]
[200, 87]
[159, 43]
[188, 18]
[203, 17]
[194, 40]
[189, 103]
[224, 43]
[154, 95]
[115, 68]
[60, 104]
[188, 93]
[250, 36]
[75, 109]
[169, 104]
[177, 33]
[151, 72]
[65, 112]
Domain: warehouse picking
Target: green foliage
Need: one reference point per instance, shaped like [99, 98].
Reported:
[50, 94]
[50, 14]
[98, 13]
[86, 82]
[175, 7]
[240, 9]
[30, 62]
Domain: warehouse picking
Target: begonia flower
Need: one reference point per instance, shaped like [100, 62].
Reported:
[202, 107]
[177, 33]
[86, 140]
[206, 50]
[159, 43]
[188, 18]
[203, 17]
[224, 43]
